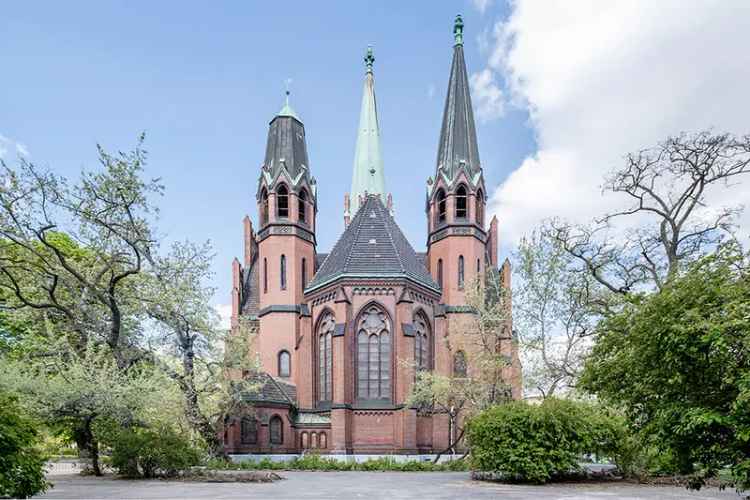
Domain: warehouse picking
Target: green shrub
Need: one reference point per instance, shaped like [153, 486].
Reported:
[139, 452]
[21, 461]
[535, 443]
[323, 463]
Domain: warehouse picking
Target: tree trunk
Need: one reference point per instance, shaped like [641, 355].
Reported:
[87, 445]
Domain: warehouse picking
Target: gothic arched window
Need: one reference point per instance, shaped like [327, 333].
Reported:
[440, 273]
[480, 208]
[323, 440]
[373, 355]
[459, 364]
[248, 431]
[440, 206]
[303, 440]
[276, 430]
[282, 274]
[285, 364]
[264, 207]
[265, 275]
[282, 202]
[461, 202]
[302, 207]
[325, 361]
[422, 342]
[460, 272]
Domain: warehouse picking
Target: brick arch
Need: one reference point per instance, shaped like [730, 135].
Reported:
[429, 342]
[372, 346]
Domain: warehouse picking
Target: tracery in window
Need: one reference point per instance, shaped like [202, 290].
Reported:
[373, 354]
[325, 362]
[422, 342]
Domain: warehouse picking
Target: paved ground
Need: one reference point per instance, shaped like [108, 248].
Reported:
[368, 485]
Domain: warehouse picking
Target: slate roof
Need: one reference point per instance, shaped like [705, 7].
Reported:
[271, 390]
[251, 290]
[372, 246]
[458, 136]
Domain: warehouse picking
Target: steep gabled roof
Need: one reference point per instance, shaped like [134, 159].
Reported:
[269, 389]
[372, 246]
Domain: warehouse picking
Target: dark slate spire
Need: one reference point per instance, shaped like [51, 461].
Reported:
[458, 137]
[372, 246]
[286, 149]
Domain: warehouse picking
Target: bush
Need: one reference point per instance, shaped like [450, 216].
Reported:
[139, 452]
[535, 443]
[323, 463]
[21, 462]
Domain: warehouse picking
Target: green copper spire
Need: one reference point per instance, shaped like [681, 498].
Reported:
[368, 164]
[287, 109]
[458, 30]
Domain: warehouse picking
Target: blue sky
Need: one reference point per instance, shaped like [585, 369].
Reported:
[204, 81]
[563, 90]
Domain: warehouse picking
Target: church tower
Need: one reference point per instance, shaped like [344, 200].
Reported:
[287, 206]
[459, 245]
[368, 176]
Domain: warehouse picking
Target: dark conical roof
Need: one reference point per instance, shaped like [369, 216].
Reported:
[458, 136]
[372, 246]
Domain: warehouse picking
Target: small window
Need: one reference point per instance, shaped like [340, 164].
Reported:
[441, 206]
[282, 202]
[323, 440]
[461, 203]
[285, 364]
[264, 207]
[304, 441]
[282, 274]
[480, 208]
[304, 273]
[276, 430]
[313, 440]
[248, 430]
[440, 273]
[302, 207]
[460, 272]
[459, 364]
[265, 275]
[479, 267]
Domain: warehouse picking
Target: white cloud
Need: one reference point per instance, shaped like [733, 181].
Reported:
[481, 5]
[601, 79]
[225, 315]
[22, 150]
[487, 96]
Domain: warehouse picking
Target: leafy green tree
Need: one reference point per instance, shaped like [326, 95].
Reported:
[75, 389]
[679, 363]
[21, 463]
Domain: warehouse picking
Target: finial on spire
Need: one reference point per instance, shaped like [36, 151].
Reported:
[458, 30]
[369, 59]
[287, 83]
[287, 109]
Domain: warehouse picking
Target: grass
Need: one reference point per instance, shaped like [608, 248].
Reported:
[321, 463]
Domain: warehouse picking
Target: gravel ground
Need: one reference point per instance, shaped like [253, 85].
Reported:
[368, 485]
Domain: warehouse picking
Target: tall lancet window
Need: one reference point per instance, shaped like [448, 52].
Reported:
[421, 342]
[373, 355]
[264, 207]
[282, 272]
[460, 272]
[282, 202]
[461, 202]
[325, 361]
[440, 206]
[480, 208]
[302, 207]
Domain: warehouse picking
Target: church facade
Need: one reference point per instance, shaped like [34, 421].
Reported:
[340, 335]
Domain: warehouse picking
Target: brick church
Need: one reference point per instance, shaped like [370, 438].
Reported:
[334, 330]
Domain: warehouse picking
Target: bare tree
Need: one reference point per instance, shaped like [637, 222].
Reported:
[553, 313]
[74, 251]
[668, 186]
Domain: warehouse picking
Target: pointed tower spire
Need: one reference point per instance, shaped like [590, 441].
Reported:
[458, 137]
[368, 174]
